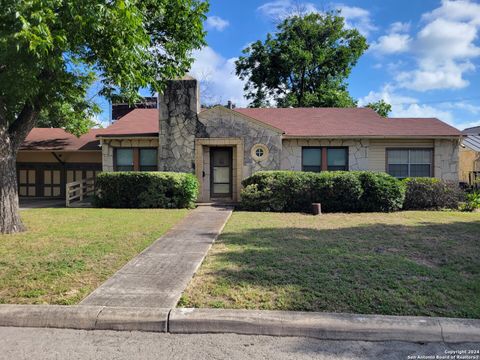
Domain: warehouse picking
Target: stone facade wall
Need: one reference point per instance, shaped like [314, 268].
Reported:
[446, 159]
[291, 158]
[108, 146]
[222, 123]
[178, 109]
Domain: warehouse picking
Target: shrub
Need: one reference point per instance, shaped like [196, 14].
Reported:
[472, 202]
[431, 193]
[381, 192]
[146, 190]
[277, 191]
[336, 191]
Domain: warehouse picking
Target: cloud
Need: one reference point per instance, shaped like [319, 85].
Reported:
[399, 27]
[395, 41]
[406, 106]
[216, 23]
[280, 9]
[358, 18]
[434, 74]
[218, 82]
[391, 44]
[443, 49]
[355, 17]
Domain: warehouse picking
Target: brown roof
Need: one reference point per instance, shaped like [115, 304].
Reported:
[301, 122]
[139, 122]
[55, 139]
[331, 122]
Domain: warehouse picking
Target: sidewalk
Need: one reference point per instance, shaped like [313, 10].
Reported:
[157, 277]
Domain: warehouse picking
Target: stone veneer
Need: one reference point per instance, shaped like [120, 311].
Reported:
[446, 159]
[178, 109]
[220, 122]
[292, 152]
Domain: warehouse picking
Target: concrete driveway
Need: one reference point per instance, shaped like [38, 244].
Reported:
[26, 203]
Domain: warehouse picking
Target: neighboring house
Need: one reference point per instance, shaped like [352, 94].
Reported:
[223, 146]
[469, 165]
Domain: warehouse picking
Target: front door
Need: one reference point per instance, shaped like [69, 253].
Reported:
[221, 172]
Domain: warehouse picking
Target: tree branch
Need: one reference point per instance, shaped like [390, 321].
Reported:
[23, 124]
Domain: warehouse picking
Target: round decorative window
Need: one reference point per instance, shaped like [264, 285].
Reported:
[259, 152]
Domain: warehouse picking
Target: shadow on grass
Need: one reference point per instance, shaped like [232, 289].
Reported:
[429, 269]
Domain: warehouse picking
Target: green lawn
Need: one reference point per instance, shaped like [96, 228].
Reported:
[67, 253]
[406, 263]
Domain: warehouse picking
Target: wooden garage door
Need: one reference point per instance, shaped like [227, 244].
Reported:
[27, 182]
[52, 183]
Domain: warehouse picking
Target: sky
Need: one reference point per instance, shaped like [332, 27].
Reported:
[423, 59]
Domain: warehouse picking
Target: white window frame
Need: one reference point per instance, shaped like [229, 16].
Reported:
[409, 164]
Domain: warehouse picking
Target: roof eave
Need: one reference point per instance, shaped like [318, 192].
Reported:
[124, 136]
[286, 136]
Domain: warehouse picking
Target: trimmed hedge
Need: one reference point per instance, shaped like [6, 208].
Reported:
[381, 192]
[146, 190]
[339, 191]
[431, 193]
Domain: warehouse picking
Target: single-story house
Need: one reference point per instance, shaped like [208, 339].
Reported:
[222, 146]
[469, 165]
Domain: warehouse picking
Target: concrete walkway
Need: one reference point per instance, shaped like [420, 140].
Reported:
[158, 275]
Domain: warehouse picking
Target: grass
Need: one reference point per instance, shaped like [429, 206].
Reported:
[67, 253]
[406, 263]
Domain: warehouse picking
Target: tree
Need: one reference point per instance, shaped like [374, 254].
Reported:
[381, 107]
[52, 51]
[304, 64]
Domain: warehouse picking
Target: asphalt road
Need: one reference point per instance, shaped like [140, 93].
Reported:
[25, 343]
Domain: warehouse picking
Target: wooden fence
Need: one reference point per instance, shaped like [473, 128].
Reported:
[79, 190]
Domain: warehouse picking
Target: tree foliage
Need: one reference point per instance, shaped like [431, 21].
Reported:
[381, 107]
[52, 51]
[304, 64]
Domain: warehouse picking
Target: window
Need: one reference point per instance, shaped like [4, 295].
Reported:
[124, 160]
[337, 159]
[324, 158]
[403, 163]
[259, 152]
[148, 160]
[135, 159]
[312, 159]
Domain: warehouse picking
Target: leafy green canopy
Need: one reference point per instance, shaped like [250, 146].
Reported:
[53, 51]
[304, 64]
[381, 107]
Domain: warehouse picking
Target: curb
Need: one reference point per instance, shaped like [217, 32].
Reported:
[81, 317]
[326, 326]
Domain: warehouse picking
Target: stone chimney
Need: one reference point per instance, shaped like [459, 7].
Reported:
[179, 106]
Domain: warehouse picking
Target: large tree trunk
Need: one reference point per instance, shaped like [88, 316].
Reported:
[10, 221]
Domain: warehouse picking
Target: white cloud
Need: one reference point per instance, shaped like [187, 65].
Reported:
[399, 27]
[434, 74]
[280, 9]
[443, 49]
[355, 17]
[218, 82]
[406, 106]
[459, 10]
[391, 43]
[358, 18]
[395, 41]
[216, 23]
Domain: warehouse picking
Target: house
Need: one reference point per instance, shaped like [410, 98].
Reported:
[223, 146]
[469, 164]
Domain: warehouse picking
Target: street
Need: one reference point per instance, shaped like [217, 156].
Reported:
[28, 343]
